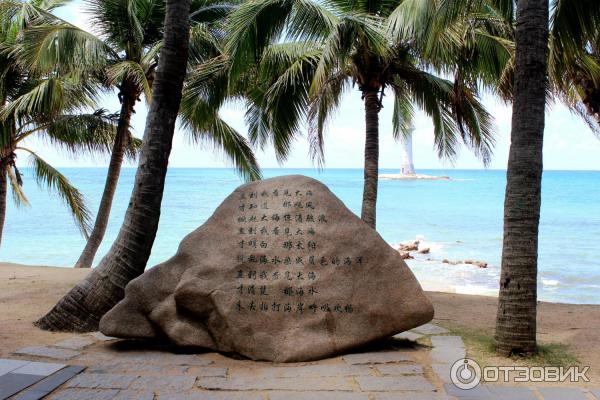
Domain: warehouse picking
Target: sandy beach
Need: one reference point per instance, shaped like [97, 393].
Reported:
[27, 292]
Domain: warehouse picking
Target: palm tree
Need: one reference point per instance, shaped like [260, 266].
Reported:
[82, 308]
[378, 46]
[560, 60]
[48, 106]
[125, 51]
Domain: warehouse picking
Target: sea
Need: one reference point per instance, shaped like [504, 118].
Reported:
[458, 219]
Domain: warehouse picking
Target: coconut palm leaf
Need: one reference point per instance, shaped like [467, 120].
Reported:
[133, 72]
[16, 184]
[206, 126]
[47, 175]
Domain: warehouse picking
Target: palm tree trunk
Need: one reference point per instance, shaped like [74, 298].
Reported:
[516, 318]
[112, 177]
[371, 172]
[3, 190]
[81, 308]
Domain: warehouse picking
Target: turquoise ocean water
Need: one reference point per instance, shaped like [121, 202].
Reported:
[458, 219]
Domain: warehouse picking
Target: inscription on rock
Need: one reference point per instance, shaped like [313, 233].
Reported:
[277, 240]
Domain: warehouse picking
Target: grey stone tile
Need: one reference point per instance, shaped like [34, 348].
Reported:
[138, 368]
[480, 392]
[447, 341]
[8, 365]
[209, 371]
[249, 383]
[39, 368]
[75, 343]
[310, 395]
[558, 393]
[394, 383]
[84, 394]
[596, 392]
[101, 381]
[12, 383]
[30, 394]
[318, 370]
[378, 357]
[49, 383]
[102, 337]
[134, 395]
[411, 396]
[167, 384]
[48, 352]
[430, 329]
[211, 395]
[442, 371]
[511, 392]
[408, 335]
[157, 357]
[400, 369]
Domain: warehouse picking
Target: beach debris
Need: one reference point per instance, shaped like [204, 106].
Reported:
[282, 271]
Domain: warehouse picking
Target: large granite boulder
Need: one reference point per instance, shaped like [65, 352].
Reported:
[282, 271]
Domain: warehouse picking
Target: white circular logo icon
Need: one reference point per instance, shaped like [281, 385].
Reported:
[465, 374]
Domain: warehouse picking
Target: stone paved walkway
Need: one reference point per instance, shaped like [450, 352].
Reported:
[398, 369]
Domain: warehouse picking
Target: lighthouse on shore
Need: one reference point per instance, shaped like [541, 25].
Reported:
[407, 168]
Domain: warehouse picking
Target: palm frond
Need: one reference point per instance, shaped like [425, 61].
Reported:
[55, 181]
[132, 72]
[16, 184]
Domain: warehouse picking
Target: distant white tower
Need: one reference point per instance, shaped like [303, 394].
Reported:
[408, 167]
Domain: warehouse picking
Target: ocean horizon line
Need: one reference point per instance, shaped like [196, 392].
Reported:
[326, 168]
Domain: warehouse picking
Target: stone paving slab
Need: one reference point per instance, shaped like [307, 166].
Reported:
[101, 381]
[558, 393]
[408, 335]
[431, 329]
[292, 384]
[378, 357]
[102, 337]
[12, 383]
[39, 368]
[311, 395]
[213, 396]
[447, 349]
[166, 384]
[318, 370]
[511, 392]
[140, 368]
[134, 395]
[596, 392]
[75, 343]
[157, 357]
[48, 352]
[480, 392]
[84, 394]
[411, 396]
[48, 384]
[394, 383]
[8, 365]
[442, 371]
[399, 369]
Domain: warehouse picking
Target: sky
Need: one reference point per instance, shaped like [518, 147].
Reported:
[569, 144]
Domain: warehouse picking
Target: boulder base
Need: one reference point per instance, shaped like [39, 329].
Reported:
[282, 271]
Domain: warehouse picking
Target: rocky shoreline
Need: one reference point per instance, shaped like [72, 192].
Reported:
[406, 248]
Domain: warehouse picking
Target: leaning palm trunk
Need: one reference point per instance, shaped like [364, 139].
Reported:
[371, 172]
[112, 177]
[82, 308]
[516, 319]
[3, 187]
